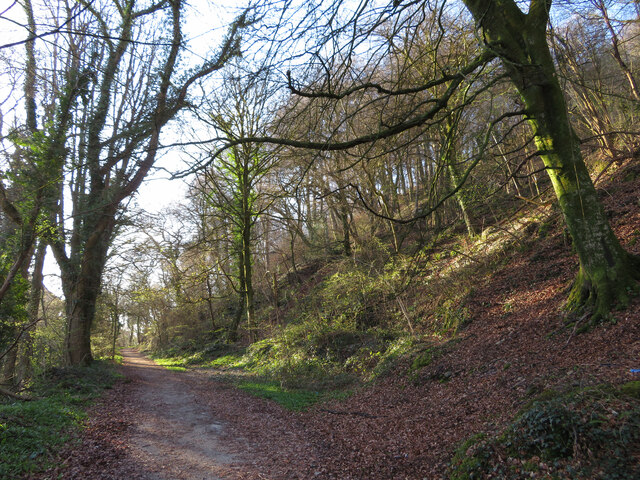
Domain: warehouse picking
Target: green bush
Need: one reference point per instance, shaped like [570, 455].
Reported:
[469, 458]
[548, 429]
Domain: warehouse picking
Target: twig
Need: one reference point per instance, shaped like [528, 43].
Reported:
[533, 202]
[466, 256]
[23, 329]
[575, 327]
[405, 313]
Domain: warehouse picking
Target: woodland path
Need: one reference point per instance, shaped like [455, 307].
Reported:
[173, 435]
[158, 424]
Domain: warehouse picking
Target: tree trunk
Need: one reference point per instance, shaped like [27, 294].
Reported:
[344, 218]
[24, 370]
[115, 318]
[10, 360]
[138, 331]
[449, 157]
[9, 366]
[615, 43]
[607, 272]
[248, 270]
[82, 287]
[461, 199]
[210, 303]
[237, 318]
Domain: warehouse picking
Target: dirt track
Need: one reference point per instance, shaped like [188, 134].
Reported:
[174, 436]
[159, 424]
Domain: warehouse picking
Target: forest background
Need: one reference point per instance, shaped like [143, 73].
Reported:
[346, 137]
[353, 170]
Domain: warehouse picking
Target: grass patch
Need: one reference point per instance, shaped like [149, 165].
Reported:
[270, 369]
[226, 361]
[32, 432]
[175, 368]
[176, 364]
[199, 359]
[211, 355]
[291, 399]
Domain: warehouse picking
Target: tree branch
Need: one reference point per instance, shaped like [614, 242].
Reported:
[8, 207]
[438, 105]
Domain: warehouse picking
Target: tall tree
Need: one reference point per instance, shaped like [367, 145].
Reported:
[131, 88]
[518, 40]
[233, 184]
[607, 271]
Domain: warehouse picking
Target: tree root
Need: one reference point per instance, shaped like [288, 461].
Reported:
[597, 295]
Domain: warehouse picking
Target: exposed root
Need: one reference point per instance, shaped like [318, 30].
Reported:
[600, 293]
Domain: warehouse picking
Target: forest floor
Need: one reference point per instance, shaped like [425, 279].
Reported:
[162, 424]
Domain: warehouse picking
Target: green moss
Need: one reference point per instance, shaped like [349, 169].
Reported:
[450, 316]
[631, 389]
[603, 289]
[540, 396]
[468, 459]
[545, 228]
[584, 433]
[530, 466]
[425, 359]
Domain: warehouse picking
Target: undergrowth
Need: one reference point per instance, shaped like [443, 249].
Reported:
[586, 433]
[32, 431]
[358, 317]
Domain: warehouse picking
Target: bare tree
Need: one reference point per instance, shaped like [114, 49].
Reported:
[517, 38]
[234, 184]
[122, 85]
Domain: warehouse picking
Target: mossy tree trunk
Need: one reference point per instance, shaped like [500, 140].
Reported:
[607, 272]
[119, 139]
[240, 173]
[35, 296]
[248, 220]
